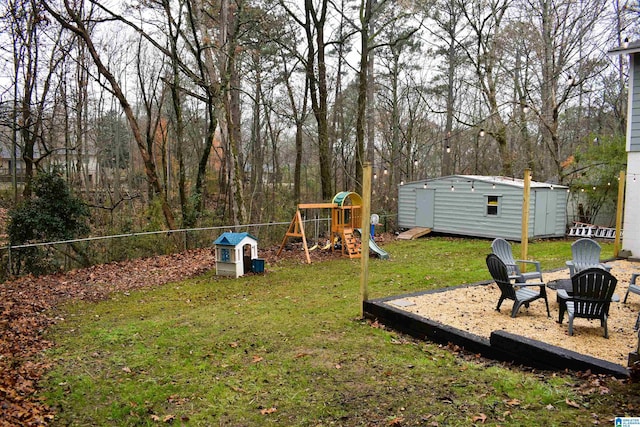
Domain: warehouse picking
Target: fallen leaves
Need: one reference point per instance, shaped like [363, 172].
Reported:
[26, 312]
[512, 402]
[267, 411]
[301, 355]
[480, 417]
[167, 419]
[571, 403]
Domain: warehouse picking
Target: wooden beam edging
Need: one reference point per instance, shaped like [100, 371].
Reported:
[538, 354]
[501, 345]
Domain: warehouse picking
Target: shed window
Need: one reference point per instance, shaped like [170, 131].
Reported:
[493, 205]
[224, 255]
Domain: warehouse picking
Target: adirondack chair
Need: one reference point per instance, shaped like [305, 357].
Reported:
[585, 253]
[519, 293]
[502, 249]
[633, 288]
[592, 290]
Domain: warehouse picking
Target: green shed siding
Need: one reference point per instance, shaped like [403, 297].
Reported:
[464, 212]
[407, 206]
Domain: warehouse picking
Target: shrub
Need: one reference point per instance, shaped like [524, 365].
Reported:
[52, 214]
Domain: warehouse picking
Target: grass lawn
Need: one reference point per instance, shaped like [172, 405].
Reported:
[287, 348]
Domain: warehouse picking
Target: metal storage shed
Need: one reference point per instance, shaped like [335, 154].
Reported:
[482, 206]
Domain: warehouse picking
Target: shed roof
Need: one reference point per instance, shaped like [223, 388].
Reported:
[232, 239]
[633, 47]
[498, 180]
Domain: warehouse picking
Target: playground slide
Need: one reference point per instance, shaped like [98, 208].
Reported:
[381, 253]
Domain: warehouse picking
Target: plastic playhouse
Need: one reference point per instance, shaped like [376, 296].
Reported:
[237, 254]
[346, 223]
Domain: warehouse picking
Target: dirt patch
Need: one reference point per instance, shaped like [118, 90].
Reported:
[472, 309]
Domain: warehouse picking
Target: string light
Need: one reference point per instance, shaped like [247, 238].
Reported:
[481, 132]
[632, 178]
[625, 43]
[448, 149]
[582, 188]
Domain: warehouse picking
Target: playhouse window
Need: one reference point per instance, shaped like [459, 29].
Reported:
[224, 255]
[493, 205]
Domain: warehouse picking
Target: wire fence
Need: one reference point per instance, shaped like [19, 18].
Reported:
[65, 255]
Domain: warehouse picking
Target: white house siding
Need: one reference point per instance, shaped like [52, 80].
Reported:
[633, 117]
[631, 226]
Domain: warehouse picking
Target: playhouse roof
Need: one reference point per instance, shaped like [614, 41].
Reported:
[232, 239]
[343, 196]
[498, 180]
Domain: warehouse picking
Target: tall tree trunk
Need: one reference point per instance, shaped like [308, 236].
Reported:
[299, 114]
[231, 104]
[318, 88]
[365, 19]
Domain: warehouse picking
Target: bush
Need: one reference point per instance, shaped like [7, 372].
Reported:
[52, 214]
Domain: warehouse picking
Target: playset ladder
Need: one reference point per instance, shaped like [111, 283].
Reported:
[296, 229]
[350, 243]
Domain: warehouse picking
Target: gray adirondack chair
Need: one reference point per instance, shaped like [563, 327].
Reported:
[585, 253]
[592, 290]
[633, 288]
[520, 293]
[503, 250]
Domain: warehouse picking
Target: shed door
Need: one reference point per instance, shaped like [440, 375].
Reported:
[425, 198]
[545, 213]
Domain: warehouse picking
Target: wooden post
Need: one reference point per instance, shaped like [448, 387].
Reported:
[619, 211]
[365, 235]
[524, 246]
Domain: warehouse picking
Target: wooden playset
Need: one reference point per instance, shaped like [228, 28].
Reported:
[346, 218]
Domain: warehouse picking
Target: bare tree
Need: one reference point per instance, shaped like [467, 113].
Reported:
[563, 33]
[314, 26]
[74, 21]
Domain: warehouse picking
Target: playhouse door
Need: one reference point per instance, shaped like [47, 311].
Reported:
[545, 218]
[425, 198]
[246, 259]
